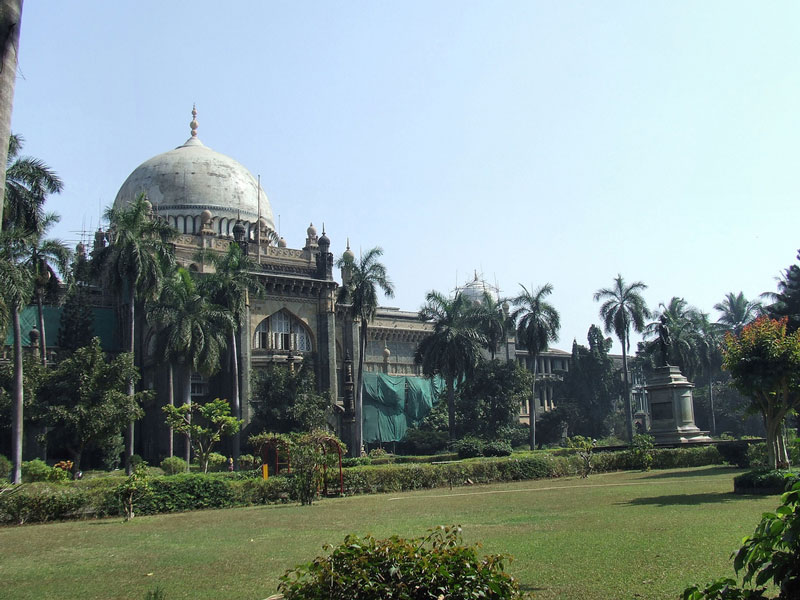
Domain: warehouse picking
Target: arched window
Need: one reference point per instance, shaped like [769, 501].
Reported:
[282, 331]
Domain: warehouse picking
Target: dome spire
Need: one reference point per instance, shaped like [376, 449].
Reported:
[193, 125]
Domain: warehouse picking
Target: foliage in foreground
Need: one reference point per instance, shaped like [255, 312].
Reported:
[439, 565]
[771, 554]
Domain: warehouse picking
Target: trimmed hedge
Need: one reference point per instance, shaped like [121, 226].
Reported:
[764, 482]
[190, 491]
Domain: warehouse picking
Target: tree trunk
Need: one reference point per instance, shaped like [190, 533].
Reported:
[187, 399]
[451, 407]
[171, 397]
[711, 402]
[627, 397]
[235, 401]
[131, 329]
[16, 424]
[783, 455]
[773, 430]
[42, 338]
[534, 403]
[358, 436]
[10, 23]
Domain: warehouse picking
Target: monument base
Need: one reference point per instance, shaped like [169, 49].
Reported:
[677, 436]
[672, 408]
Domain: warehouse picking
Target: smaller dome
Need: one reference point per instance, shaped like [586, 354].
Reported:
[281, 243]
[206, 216]
[386, 352]
[311, 231]
[324, 240]
[33, 335]
[348, 254]
[80, 249]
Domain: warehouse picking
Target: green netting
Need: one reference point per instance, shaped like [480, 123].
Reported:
[392, 403]
[104, 325]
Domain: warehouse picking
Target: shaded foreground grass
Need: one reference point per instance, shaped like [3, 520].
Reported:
[613, 536]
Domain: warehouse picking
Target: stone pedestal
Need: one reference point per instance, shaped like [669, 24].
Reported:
[672, 408]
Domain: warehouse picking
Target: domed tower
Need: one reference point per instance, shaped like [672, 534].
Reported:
[197, 189]
[477, 289]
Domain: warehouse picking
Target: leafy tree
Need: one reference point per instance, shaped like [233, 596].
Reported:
[16, 287]
[489, 401]
[133, 265]
[193, 330]
[453, 348]
[787, 300]
[360, 292]
[203, 424]
[538, 323]
[737, 311]
[286, 400]
[86, 399]
[230, 286]
[764, 362]
[623, 308]
[34, 377]
[28, 182]
[588, 393]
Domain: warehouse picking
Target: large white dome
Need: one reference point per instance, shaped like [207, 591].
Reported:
[192, 178]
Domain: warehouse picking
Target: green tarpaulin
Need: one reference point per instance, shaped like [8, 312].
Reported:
[392, 403]
[104, 326]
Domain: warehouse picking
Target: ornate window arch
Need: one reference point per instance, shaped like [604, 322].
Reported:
[282, 331]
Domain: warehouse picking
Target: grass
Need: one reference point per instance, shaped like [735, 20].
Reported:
[613, 536]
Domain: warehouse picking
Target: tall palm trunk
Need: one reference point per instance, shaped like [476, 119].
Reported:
[627, 399]
[358, 430]
[171, 397]
[16, 424]
[42, 338]
[451, 407]
[237, 405]
[131, 330]
[532, 410]
[10, 22]
[187, 399]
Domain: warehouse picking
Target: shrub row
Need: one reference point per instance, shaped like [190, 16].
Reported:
[38, 502]
[764, 481]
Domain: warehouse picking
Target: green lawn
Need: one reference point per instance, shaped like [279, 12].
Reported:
[613, 536]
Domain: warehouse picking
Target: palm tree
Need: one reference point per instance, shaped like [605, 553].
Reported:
[538, 323]
[230, 286]
[495, 322]
[16, 287]
[360, 292]
[623, 307]
[43, 256]
[133, 264]
[678, 322]
[28, 183]
[193, 330]
[10, 16]
[737, 311]
[709, 348]
[453, 348]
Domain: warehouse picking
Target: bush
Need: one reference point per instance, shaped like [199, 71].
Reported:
[436, 566]
[5, 467]
[39, 502]
[418, 441]
[497, 448]
[184, 491]
[764, 481]
[518, 435]
[468, 447]
[735, 452]
[770, 555]
[641, 451]
[217, 463]
[248, 462]
[136, 460]
[377, 453]
[37, 470]
[757, 455]
[173, 465]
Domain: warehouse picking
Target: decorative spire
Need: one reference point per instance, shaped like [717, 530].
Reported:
[193, 125]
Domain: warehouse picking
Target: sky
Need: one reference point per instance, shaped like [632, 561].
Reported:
[530, 142]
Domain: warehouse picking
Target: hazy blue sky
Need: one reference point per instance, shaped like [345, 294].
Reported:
[534, 142]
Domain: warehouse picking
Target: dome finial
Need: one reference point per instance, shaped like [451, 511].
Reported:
[193, 125]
